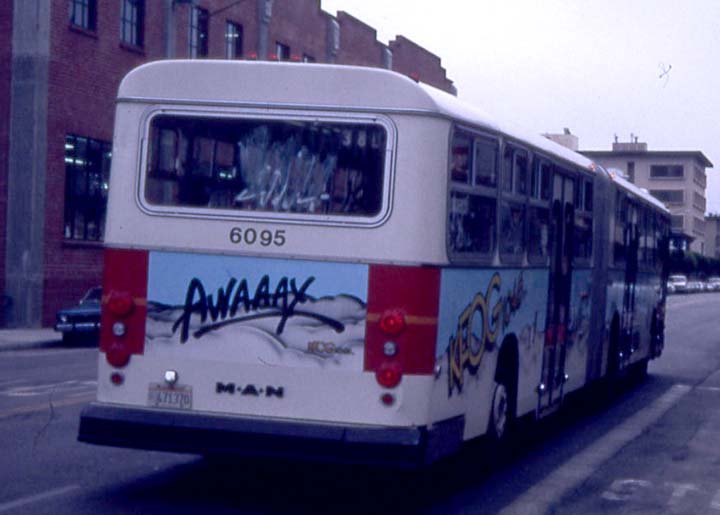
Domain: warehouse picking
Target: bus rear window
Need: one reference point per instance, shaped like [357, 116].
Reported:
[281, 166]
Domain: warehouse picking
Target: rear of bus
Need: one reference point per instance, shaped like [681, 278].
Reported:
[264, 289]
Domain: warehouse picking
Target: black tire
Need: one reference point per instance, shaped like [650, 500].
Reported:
[639, 370]
[499, 413]
[613, 363]
[503, 406]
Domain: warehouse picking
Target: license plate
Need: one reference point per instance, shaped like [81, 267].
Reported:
[177, 397]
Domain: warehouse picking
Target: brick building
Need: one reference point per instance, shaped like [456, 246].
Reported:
[60, 65]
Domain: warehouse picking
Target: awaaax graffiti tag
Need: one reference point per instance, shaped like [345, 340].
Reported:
[479, 326]
[234, 304]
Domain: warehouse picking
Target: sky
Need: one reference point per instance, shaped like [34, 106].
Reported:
[598, 67]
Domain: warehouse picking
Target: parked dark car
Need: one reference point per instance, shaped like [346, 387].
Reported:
[81, 323]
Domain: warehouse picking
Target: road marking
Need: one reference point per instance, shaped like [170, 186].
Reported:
[24, 501]
[34, 390]
[539, 498]
[24, 410]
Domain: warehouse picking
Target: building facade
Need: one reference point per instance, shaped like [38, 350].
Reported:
[675, 177]
[61, 62]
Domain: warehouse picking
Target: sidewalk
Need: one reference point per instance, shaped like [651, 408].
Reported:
[17, 339]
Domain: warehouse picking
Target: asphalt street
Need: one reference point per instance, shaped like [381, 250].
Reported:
[651, 448]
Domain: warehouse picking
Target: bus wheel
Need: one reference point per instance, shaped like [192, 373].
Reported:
[499, 412]
[613, 360]
[639, 370]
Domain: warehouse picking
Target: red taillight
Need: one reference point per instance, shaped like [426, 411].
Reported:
[392, 322]
[120, 303]
[387, 399]
[401, 329]
[117, 355]
[389, 375]
[122, 325]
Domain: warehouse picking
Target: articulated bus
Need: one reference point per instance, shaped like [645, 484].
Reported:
[332, 262]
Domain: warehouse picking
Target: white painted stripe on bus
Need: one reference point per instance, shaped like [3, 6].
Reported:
[539, 498]
[24, 501]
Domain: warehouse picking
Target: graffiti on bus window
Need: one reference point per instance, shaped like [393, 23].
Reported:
[271, 166]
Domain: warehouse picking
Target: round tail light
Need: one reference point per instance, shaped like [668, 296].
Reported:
[117, 355]
[392, 322]
[120, 303]
[389, 375]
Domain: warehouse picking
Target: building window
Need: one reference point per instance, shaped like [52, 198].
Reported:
[83, 14]
[674, 197]
[87, 174]
[698, 226]
[233, 40]
[666, 171]
[631, 171]
[699, 201]
[282, 51]
[132, 20]
[676, 222]
[198, 33]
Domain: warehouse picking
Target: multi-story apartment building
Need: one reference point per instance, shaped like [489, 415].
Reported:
[676, 177]
[61, 62]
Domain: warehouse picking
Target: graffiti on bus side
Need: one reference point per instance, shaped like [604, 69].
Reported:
[234, 304]
[479, 326]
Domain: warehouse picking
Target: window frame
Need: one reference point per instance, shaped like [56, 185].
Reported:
[668, 177]
[666, 201]
[514, 197]
[282, 51]
[80, 165]
[199, 33]
[584, 191]
[234, 34]
[539, 199]
[472, 188]
[132, 17]
[206, 213]
[83, 14]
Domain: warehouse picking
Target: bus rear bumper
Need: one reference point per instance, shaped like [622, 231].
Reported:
[121, 426]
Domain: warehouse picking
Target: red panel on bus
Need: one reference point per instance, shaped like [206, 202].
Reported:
[124, 277]
[403, 305]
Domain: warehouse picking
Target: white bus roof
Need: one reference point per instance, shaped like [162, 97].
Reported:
[303, 85]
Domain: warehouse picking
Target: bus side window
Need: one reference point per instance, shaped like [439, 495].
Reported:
[539, 211]
[461, 158]
[619, 229]
[538, 234]
[485, 162]
[582, 241]
[512, 228]
[472, 209]
[472, 223]
[513, 211]
[520, 172]
[507, 169]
